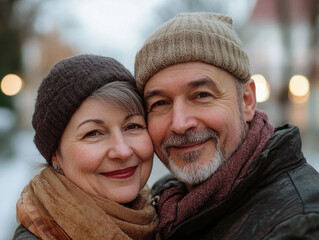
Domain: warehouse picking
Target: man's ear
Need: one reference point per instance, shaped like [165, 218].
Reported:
[249, 100]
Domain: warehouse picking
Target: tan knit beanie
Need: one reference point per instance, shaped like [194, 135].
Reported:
[192, 37]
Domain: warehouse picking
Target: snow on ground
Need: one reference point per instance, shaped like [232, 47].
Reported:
[14, 175]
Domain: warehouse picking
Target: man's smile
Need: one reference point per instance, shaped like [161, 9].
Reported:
[189, 147]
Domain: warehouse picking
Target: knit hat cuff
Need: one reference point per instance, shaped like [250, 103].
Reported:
[190, 46]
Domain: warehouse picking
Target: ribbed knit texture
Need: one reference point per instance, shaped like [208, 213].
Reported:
[54, 208]
[63, 90]
[192, 37]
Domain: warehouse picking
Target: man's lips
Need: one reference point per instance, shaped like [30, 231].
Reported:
[122, 173]
[189, 146]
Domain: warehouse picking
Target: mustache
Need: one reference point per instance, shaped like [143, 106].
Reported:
[191, 136]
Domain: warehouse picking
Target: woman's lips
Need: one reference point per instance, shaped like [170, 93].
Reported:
[122, 173]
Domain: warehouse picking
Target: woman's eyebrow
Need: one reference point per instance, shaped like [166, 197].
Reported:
[98, 121]
[130, 115]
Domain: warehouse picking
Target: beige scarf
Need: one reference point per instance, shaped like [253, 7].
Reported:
[52, 207]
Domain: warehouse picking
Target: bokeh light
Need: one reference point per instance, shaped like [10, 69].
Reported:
[262, 88]
[11, 84]
[299, 89]
[299, 86]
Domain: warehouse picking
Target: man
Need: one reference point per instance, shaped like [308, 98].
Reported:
[236, 176]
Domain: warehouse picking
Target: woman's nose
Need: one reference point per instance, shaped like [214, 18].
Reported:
[120, 149]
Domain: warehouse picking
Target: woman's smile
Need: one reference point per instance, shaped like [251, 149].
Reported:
[121, 173]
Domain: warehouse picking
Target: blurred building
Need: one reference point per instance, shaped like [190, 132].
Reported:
[281, 38]
[40, 53]
[283, 42]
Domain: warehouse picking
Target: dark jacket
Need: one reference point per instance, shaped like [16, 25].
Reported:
[22, 233]
[279, 198]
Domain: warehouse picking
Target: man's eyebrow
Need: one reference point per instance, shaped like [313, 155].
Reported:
[151, 94]
[205, 81]
[193, 84]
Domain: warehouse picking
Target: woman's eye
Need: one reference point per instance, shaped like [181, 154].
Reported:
[92, 133]
[134, 126]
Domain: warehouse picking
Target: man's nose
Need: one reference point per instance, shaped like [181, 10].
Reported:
[119, 149]
[183, 118]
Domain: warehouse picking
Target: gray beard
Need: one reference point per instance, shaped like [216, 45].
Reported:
[194, 172]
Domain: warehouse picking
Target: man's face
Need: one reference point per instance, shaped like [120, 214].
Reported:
[196, 119]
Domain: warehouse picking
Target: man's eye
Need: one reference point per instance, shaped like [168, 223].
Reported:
[157, 104]
[202, 95]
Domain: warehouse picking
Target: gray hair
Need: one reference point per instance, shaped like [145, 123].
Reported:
[121, 94]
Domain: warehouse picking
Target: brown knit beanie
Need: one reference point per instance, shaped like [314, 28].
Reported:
[63, 90]
[192, 37]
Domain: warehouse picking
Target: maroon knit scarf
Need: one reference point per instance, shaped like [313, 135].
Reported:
[176, 204]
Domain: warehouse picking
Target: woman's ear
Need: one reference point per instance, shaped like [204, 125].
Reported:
[56, 164]
[249, 100]
[54, 159]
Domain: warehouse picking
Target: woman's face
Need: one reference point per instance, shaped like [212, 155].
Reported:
[106, 151]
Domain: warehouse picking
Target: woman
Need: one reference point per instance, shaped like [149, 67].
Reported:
[89, 126]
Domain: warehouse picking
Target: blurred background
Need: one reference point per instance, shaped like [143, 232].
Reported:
[280, 37]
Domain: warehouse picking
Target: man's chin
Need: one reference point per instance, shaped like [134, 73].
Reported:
[194, 173]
